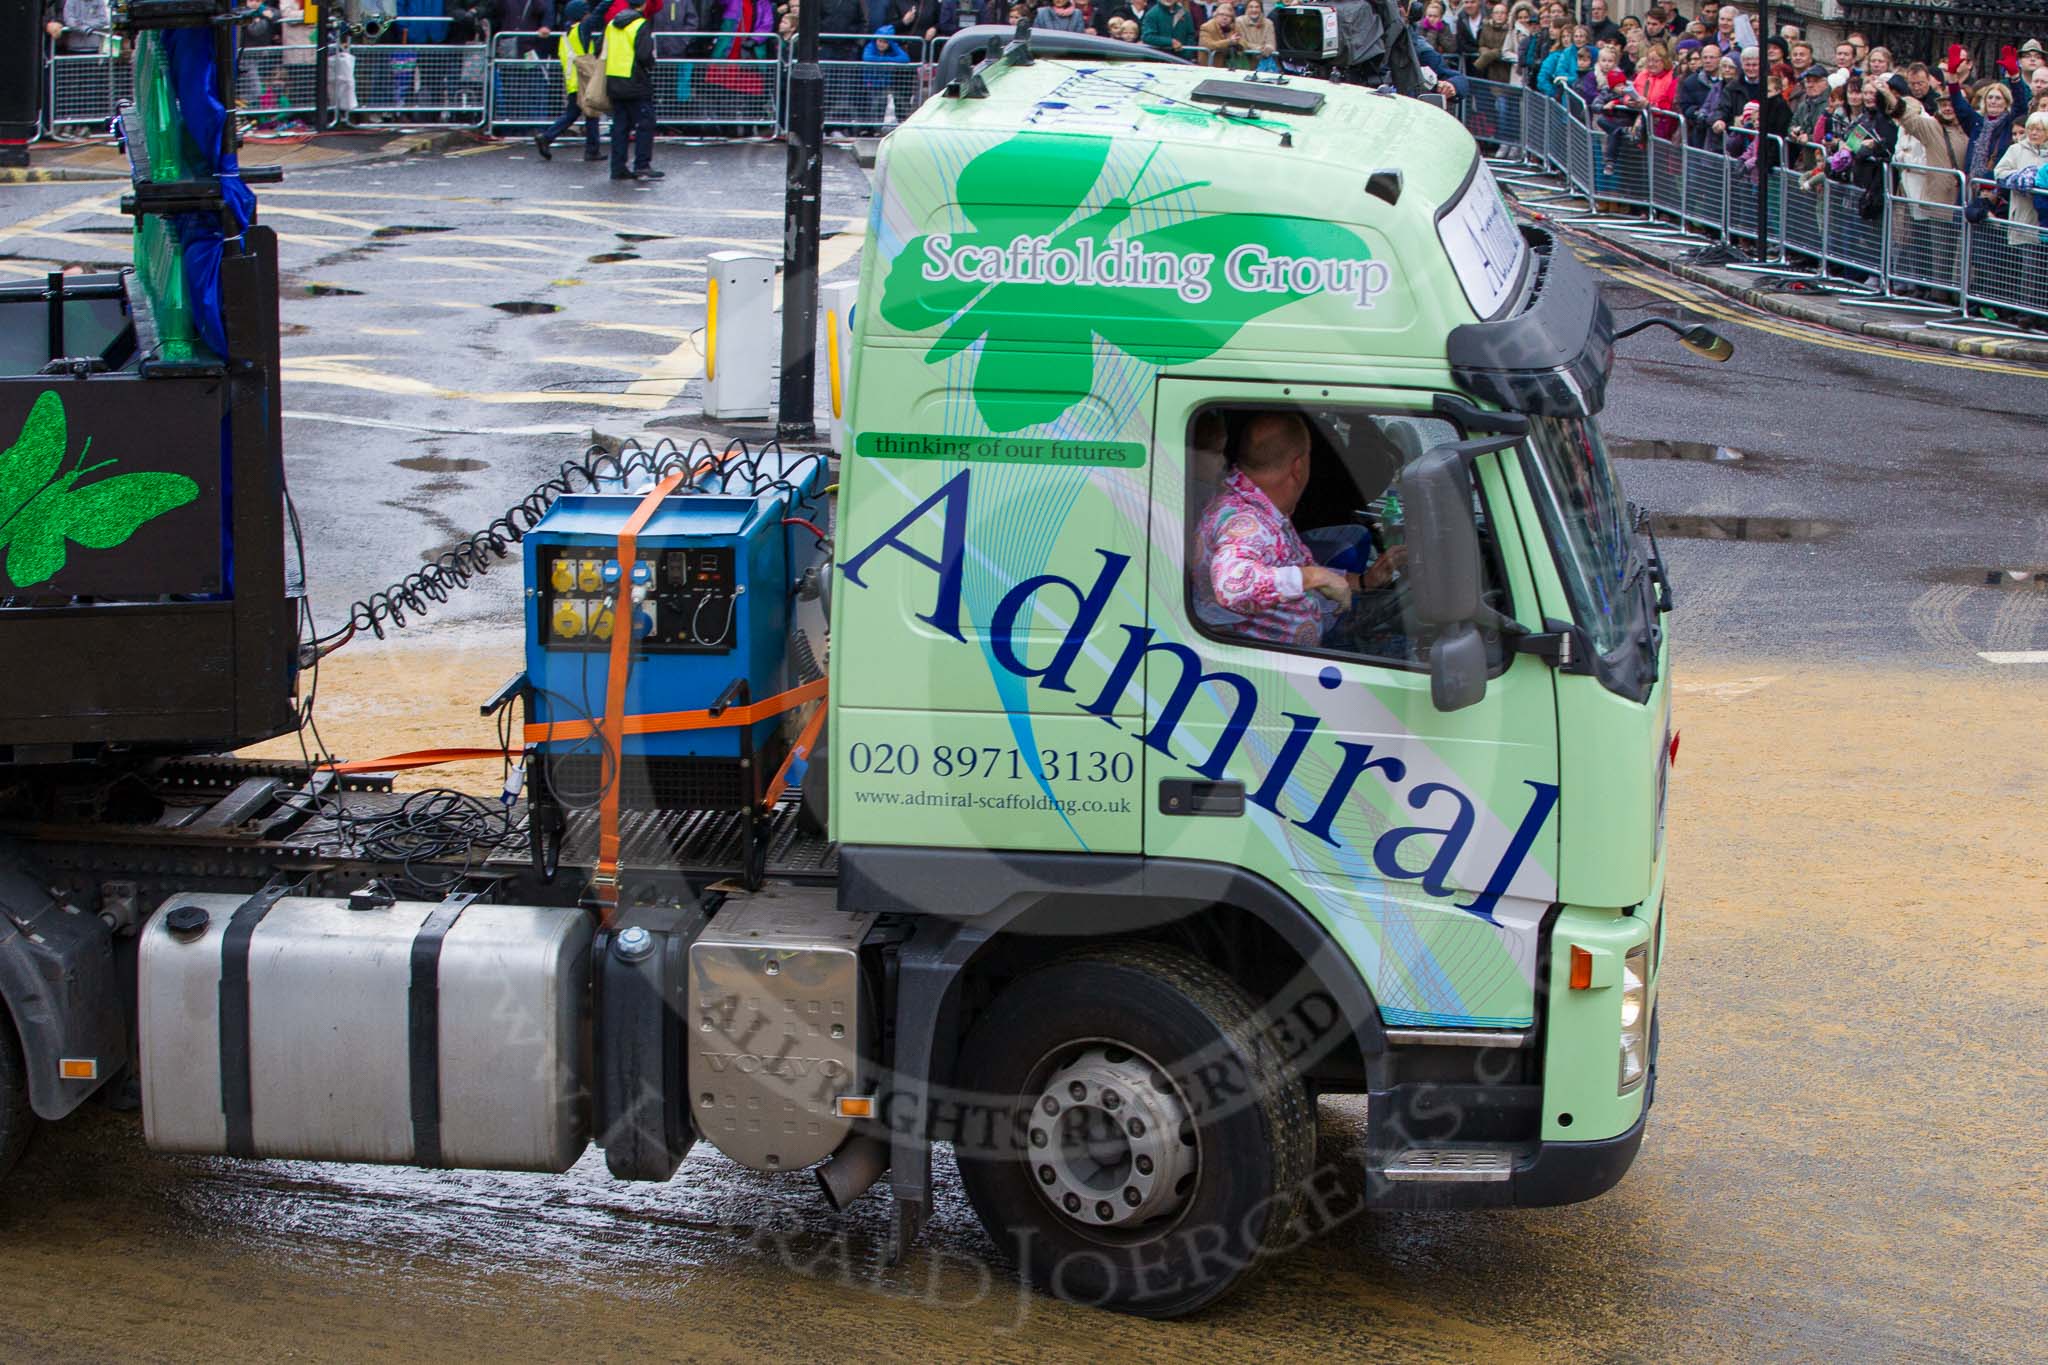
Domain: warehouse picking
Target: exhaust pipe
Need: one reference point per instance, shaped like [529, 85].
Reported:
[848, 1173]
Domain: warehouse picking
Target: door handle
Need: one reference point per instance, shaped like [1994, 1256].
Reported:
[1183, 796]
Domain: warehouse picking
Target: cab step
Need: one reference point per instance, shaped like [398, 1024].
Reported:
[1451, 1164]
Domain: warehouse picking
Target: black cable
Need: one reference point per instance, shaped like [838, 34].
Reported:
[436, 826]
[557, 750]
[472, 557]
[323, 804]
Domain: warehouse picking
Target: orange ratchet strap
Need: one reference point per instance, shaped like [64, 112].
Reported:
[416, 758]
[798, 752]
[604, 878]
[668, 722]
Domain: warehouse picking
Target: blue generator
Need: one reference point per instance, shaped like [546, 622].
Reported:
[709, 600]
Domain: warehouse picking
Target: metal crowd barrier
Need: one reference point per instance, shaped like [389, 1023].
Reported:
[721, 80]
[278, 82]
[717, 80]
[863, 96]
[1929, 246]
[419, 81]
[1912, 237]
[2008, 260]
[85, 88]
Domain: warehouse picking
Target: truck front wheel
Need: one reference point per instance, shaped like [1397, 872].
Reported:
[1147, 1143]
[17, 1120]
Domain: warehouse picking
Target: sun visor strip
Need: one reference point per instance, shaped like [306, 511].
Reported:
[1549, 358]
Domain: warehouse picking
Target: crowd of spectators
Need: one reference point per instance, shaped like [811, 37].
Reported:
[1923, 135]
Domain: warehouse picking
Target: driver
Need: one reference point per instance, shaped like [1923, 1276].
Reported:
[1253, 575]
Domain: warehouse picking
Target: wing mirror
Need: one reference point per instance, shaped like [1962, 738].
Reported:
[1446, 571]
[1700, 339]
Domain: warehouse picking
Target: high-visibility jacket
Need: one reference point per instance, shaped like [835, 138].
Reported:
[572, 48]
[618, 49]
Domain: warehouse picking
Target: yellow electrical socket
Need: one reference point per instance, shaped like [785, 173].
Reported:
[568, 620]
[601, 622]
[562, 574]
[589, 574]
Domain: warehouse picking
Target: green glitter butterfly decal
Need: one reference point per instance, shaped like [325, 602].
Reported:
[43, 505]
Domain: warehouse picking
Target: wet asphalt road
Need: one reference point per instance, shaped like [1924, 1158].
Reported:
[1845, 1158]
[1901, 481]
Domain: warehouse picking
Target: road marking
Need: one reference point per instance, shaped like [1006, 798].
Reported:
[57, 215]
[315, 216]
[381, 424]
[658, 381]
[271, 192]
[507, 243]
[1733, 687]
[2013, 656]
[573, 216]
[649, 291]
[650, 328]
[464, 262]
[83, 240]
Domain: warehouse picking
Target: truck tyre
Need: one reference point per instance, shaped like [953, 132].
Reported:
[17, 1121]
[1134, 1141]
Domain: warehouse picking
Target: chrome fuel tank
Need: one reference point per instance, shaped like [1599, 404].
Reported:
[403, 1032]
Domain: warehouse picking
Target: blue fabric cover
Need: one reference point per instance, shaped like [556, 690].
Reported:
[190, 56]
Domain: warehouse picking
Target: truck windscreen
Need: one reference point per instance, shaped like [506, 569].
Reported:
[1588, 522]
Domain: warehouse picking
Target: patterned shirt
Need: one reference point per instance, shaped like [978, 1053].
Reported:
[1247, 569]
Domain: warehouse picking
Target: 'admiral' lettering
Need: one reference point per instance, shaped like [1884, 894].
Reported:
[1392, 854]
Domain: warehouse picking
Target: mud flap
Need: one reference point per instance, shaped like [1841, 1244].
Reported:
[58, 980]
[927, 1041]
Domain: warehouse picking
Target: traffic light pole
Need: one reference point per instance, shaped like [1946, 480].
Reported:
[797, 410]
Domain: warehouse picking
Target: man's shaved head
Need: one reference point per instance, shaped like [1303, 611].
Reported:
[1271, 442]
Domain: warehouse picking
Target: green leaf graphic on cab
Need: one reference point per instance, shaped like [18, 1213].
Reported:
[1037, 289]
[44, 505]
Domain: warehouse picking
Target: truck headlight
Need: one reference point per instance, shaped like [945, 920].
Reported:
[1635, 1018]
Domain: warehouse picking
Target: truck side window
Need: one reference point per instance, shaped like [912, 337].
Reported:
[1295, 534]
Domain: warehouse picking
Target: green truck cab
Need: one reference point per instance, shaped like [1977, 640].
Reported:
[1210, 862]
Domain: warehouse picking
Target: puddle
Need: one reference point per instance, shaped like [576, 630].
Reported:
[644, 237]
[609, 257]
[407, 229]
[523, 307]
[1781, 530]
[441, 464]
[1697, 451]
[323, 291]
